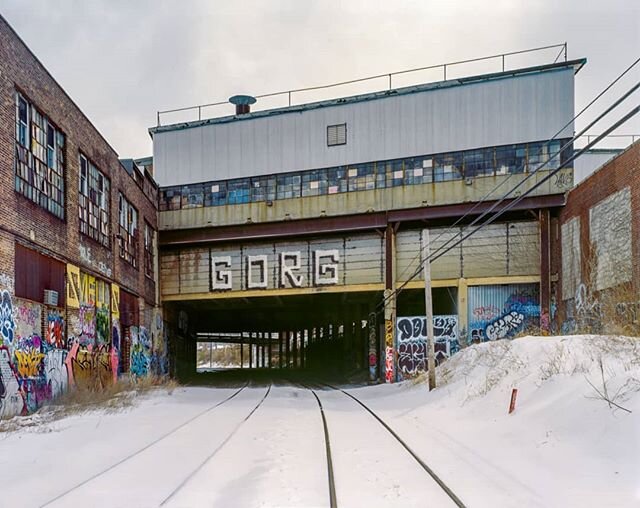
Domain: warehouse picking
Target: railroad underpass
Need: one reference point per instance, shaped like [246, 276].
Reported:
[312, 337]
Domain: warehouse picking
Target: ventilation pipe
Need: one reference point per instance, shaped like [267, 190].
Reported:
[242, 103]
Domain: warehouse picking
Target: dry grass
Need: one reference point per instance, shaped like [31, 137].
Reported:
[111, 399]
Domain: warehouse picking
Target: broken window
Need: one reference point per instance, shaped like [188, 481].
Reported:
[93, 202]
[149, 247]
[128, 230]
[39, 158]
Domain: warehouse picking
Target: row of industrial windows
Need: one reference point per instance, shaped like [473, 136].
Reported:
[40, 166]
[501, 160]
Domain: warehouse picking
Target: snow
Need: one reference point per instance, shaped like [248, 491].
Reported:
[563, 446]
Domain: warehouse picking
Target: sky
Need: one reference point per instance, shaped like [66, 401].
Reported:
[123, 60]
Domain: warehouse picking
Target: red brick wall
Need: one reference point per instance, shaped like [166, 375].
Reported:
[32, 225]
[622, 171]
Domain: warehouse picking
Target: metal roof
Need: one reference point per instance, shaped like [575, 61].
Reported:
[438, 85]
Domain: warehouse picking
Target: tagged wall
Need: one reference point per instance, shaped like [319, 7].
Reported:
[502, 311]
[411, 337]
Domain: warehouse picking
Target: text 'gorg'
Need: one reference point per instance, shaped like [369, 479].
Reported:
[255, 272]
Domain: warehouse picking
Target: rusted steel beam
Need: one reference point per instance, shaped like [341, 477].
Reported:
[346, 223]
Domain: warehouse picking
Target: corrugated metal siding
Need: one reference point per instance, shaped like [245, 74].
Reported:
[488, 304]
[35, 272]
[511, 110]
[499, 249]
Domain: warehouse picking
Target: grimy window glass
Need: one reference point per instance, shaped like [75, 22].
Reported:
[149, 242]
[93, 202]
[128, 231]
[39, 158]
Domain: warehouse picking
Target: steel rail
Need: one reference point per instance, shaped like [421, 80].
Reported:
[146, 447]
[413, 454]
[188, 478]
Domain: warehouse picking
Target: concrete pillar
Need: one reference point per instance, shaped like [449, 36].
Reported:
[250, 353]
[280, 339]
[545, 270]
[372, 347]
[287, 349]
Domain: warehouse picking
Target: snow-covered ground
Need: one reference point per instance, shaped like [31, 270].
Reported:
[563, 446]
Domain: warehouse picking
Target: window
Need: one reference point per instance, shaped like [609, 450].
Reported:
[337, 134]
[479, 162]
[39, 158]
[128, 230]
[93, 202]
[447, 167]
[149, 249]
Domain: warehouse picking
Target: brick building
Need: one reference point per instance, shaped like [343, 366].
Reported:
[78, 268]
[596, 251]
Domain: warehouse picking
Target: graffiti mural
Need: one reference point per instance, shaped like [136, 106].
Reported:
[28, 318]
[90, 367]
[29, 365]
[87, 335]
[140, 351]
[102, 327]
[11, 399]
[55, 329]
[412, 342]
[55, 371]
[373, 348]
[7, 324]
[502, 311]
[388, 357]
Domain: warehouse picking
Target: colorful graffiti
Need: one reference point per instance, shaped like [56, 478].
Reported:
[11, 399]
[28, 318]
[373, 348]
[102, 327]
[87, 325]
[7, 324]
[55, 371]
[388, 357]
[412, 342]
[140, 351]
[502, 311]
[55, 329]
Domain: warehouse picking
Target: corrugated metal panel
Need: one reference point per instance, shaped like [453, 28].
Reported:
[484, 253]
[524, 248]
[409, 257]
[364, 259]
[488, 304]
[169, 273]
[511, 110]
[194, 271]
[35, 272]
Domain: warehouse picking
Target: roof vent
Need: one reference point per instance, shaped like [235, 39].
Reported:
[242, 103]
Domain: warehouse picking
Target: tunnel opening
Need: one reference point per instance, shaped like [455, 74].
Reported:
[318, 337]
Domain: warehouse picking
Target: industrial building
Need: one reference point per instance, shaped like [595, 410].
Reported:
[296, 231]
[79, 293]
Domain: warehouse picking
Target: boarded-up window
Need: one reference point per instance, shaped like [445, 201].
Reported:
[571, 271]
[337, 134]
[129, 310]
[35, 273]
[610, 235]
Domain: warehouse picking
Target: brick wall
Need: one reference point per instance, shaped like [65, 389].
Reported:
[604, 186]
[27, 221]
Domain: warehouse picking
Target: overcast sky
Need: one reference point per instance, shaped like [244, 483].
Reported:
[122, 60]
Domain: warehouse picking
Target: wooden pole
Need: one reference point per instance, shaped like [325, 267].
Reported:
[431, 355]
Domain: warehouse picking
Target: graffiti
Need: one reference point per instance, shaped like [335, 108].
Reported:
[11, 399]
[29, 362]
[486, 313]
[563, 180]
[27, 317]
[102, 327]
[87, 325]
[140, 352]
[505, 326]
[412, 342]
[91, 368]
[55, 329]
[115, 333]
[7, 324]
[6, 282]
[489, 304]
[628, 311]
[373, 348]
[55, 371]
[388, 341]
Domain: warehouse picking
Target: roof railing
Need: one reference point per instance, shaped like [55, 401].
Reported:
[288, 94]
[626, 139]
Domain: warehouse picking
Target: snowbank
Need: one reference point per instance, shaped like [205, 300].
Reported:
[564, 445]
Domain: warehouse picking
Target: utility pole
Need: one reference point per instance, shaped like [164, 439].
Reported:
[428, 304]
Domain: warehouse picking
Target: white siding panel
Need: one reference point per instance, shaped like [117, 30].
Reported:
[510, 110]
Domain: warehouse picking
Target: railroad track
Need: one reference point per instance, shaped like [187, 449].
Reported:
[188, 478]
[146, 447]
[332, 490]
